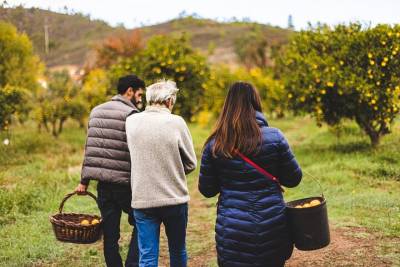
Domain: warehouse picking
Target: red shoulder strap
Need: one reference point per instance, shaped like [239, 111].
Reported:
[261, 170]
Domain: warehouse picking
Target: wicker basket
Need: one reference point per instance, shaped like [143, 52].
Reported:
[68, 228]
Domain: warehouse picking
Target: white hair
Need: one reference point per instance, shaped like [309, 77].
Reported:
[161, 91]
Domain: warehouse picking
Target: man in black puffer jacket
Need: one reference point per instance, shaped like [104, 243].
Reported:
[107, 160]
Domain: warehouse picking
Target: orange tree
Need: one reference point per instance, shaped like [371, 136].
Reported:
[271, 90]
[59, 102]
[96, 88]
[345, 72]
[170, 58]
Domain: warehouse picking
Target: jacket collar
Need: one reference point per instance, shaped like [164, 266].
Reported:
[124, 100]
[261, 120]
[160, 109]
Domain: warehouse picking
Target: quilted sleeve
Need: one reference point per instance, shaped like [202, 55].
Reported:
[208, 181]
[290, 173]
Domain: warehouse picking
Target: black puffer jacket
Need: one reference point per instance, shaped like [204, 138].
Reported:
[107, 156]
[251, 227]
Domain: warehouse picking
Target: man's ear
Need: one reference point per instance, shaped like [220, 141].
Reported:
[130, 92]
[168, 102]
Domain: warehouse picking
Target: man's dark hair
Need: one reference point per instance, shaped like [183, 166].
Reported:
[129, 81]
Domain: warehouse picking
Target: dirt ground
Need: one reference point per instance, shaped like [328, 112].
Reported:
[350, 246]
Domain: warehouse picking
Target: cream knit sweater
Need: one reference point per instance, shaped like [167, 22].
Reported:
[162, 152]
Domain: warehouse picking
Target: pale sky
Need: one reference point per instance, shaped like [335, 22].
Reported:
[133, 13]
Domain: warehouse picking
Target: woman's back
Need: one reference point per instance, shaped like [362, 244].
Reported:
[251, 227]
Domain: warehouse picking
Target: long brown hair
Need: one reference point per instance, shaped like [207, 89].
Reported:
[236, 127]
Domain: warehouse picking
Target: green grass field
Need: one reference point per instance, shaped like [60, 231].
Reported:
[361, 184]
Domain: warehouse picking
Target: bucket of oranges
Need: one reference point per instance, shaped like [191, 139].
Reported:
[308, 221]
[76, 227]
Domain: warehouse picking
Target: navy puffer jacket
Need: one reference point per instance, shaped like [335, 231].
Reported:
[251, 228]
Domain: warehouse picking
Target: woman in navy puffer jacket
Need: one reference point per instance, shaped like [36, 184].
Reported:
[251, 228]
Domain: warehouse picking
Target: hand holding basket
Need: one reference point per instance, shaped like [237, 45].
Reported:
[76, 227]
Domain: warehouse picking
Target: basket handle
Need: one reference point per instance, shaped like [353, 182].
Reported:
[67, 196]
[315, 179]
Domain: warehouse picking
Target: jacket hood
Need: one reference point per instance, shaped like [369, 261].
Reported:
[261, 120]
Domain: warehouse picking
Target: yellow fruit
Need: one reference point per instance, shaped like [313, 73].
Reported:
[307, 205]
[95, 221]
[298, 206]
[85, 222]
[315, 202]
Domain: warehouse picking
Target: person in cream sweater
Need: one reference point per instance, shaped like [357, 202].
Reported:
[162, 153]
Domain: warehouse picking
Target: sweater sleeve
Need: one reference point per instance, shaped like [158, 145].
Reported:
[290, 173]
[208, 181]
[186, 149]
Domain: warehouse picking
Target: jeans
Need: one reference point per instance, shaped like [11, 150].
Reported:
[112, 200]
[148, 223]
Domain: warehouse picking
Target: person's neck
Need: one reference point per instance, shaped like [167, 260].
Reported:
[159, 106]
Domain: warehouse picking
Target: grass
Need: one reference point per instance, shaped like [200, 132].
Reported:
[361, 185]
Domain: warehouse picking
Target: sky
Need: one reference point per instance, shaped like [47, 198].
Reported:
[134, 13]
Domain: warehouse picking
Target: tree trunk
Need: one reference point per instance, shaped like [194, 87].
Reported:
[54, 128]
[60, 128]
[45, 125]
[373, 134]
[375, 138]
[81, 124]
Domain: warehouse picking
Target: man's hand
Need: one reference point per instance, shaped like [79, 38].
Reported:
[81, 189]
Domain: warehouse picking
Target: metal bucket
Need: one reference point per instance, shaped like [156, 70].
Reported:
[309, 226]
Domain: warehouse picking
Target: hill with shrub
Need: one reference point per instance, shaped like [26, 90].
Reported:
[72, 35]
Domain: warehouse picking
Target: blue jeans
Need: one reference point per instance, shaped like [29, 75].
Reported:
[148, 223]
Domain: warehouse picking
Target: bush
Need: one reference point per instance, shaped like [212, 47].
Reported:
[58, 102]
[271, 90]
[345, 72]
[18, 72]
[12, 100]
[170, 58]
[95, 89]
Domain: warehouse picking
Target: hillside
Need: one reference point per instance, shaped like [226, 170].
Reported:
[72, 36]
[215, 39]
